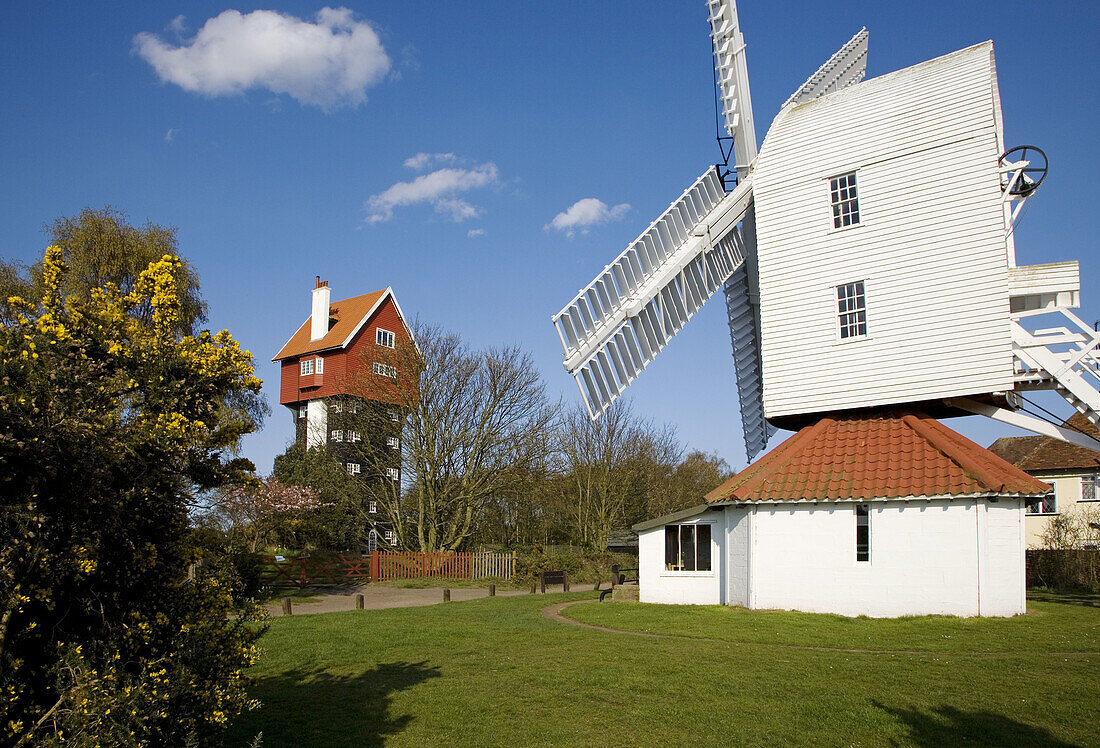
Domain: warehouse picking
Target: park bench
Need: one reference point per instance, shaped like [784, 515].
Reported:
[552, 578]
[618, 576]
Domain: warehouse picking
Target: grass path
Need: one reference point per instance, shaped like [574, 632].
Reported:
[499, 672]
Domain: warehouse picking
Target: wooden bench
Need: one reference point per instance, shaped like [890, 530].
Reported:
[552, 578]
[618, 576]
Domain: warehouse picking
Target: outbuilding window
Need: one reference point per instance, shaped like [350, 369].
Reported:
[863, 532]
[1047, 504]
[687, 547]
[1088, 487]
[845, 202]
[851, 305]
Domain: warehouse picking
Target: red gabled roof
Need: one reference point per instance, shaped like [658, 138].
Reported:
[346, 316]
[1042, 453]
[893, 455]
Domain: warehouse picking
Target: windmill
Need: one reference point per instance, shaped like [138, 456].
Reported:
[866, 255]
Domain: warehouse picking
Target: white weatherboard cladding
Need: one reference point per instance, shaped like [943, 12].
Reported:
[316, 423]
[924, 143]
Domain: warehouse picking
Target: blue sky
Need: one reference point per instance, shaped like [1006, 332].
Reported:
[269, 172]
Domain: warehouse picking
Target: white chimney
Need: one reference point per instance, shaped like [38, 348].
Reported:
[319, 320]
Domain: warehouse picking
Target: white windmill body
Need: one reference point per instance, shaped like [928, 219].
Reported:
[907, 297]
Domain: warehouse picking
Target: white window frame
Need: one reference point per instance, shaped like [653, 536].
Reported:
[391, 537]
[353, 468]
[845, 197]
[394, 442]
[394, 416]
[306, 367]
[1044, 506]
[353, 407]
[353, 436]
[302, 411]
[712, 529]
[393, 473]
[372, 507]
[385, 338]
[337, 406]
[385, 370]
[337, 435]
[839, 315]
[1089, 486]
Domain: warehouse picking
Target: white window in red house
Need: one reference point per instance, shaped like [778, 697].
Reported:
[385, 338]
[687, 547]
[307, 367]
[385, 370]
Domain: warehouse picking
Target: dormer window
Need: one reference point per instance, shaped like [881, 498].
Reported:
[845, 202]
[385, 338]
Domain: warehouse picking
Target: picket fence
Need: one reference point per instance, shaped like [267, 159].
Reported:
[317, 570]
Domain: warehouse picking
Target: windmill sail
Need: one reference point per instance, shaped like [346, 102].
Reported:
[619, 323]
[733, 81]
[845, 68]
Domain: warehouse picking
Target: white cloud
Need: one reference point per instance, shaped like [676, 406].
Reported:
[438, 188]
[171, 134]
[421, 161]
[473, 233]
[328, 64]
[584, 214]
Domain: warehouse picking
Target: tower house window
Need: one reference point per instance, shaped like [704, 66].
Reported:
[845, 202]
[393, 441]
[863, 532]
[385, 370]
[353, 468]
[687, 547]
[385, 338]
[337, 435]
[373, 507]
[307, 367]
[851, 305]
[353, 436]
[393, 473]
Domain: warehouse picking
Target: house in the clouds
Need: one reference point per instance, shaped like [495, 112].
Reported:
[878, 514]
[338, 381]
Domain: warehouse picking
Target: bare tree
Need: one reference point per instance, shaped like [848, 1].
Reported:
[468, 423]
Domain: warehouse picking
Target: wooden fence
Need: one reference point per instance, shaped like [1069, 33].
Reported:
[334, 569]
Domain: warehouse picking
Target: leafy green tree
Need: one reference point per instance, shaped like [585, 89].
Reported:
[111, 422]
[99, 246]
[339, 522]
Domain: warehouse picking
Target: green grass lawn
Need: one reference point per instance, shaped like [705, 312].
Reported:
[494, 671]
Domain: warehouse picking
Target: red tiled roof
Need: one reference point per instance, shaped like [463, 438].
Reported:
[891, 455]
[347, 315]
[1041, 453]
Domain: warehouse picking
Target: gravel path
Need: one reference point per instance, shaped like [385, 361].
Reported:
[377, 597]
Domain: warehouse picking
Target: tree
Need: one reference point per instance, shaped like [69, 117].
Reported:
[469, 423]
[259, 508]
[697, 475]
[101, 247]
[111, 421]
[340, 522]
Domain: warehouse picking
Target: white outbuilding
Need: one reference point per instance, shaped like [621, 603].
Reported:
[862, 514]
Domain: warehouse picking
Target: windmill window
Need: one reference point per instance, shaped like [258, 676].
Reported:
[863, 533]
[1088, 487]
[845, 202]
[384, 338]
[1046, 504]
[687, 547]
[391, 537]
[353, 407]
[851, 304]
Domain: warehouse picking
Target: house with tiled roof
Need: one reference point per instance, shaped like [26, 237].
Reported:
[335, 379]
[880, 514]
[1073, 471]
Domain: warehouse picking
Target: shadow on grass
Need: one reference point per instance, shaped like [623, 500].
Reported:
[1089, 599]
[320, 708]
[947, 725]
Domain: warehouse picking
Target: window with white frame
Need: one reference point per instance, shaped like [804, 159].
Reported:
[385, 370]
[353, 468]
[372, 540]
[851, 305]
[307, 367]
[393, 473]
[863, 532]
[393, 441]
[845, 203]
[353, 436]
[337, 435]
[337, 406]
[393, 416]
[353, 407]
[302, 412]
[687, 547]
[1045, 504]
[391, 537]
[373, 507]
[385, 338]
[1088, 487]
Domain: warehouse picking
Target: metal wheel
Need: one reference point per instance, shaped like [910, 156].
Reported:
[1033, 174]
